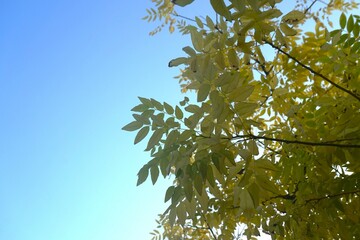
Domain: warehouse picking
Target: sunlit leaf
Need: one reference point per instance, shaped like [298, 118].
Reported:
[342, 20]
[178, 61]
[288, 31]
[220, 7]
[293, 17]
[350, 24]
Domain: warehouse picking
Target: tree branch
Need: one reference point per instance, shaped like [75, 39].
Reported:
[324, 144]
[307, 9]
[208, 227]
[331, 196]
[312, 70]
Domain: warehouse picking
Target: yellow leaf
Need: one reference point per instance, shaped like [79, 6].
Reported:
[293, 17]
[288, 31]
[220, 7]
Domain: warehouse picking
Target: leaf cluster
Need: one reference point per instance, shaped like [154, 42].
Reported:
[273, 139]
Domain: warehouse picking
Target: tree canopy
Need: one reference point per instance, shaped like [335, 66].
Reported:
[272, 141]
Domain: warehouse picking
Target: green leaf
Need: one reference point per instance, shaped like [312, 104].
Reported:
[245, 178]
[255, 193]
[197, 40]
[181, 214]
[246, 201]
[293, 17]
[188, 189]
[203, 170]
[288, 31]
[135, 125]
[141, 134]
[220, 7]
[244, 108]
[199, 22]
[141, 118]
[264, 182]
[356, 30]
[241, 93]
[140, 108]
[168, 108]
[154, 170]
[198, 183]
[172, 216]
[210, 176]
[185, 135]
[155, 138]
[178, 113]
[217, 103]
[245, 154]
[191, 52]
[254, 4]
[157, 104]
[210, 23]
[342, 20]
[203, 92]
[253, 148]
[350, 24]
[146, 101]
[192, 108]
[172, 137]
[259, 54]
[178, 61]
[143, 174]
[177, 195]
[169, 193]
[233, 58]
[279, 37]
[265, 164]
[182, 3]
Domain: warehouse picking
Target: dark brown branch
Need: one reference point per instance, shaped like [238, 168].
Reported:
[324, 144]
[312, 70]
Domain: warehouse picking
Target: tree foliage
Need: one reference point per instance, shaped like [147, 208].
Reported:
[273, 141]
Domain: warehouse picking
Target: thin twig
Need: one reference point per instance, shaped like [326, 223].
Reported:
[306, 10]
[331, 196]
[208, 227]
[324, 144]
[312, 70]
[187, 18]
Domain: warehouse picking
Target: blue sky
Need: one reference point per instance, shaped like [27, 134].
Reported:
[70, 71]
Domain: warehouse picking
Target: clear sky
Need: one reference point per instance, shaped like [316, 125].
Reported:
[70, 71]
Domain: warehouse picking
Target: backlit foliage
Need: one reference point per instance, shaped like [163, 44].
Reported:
[273, 141]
